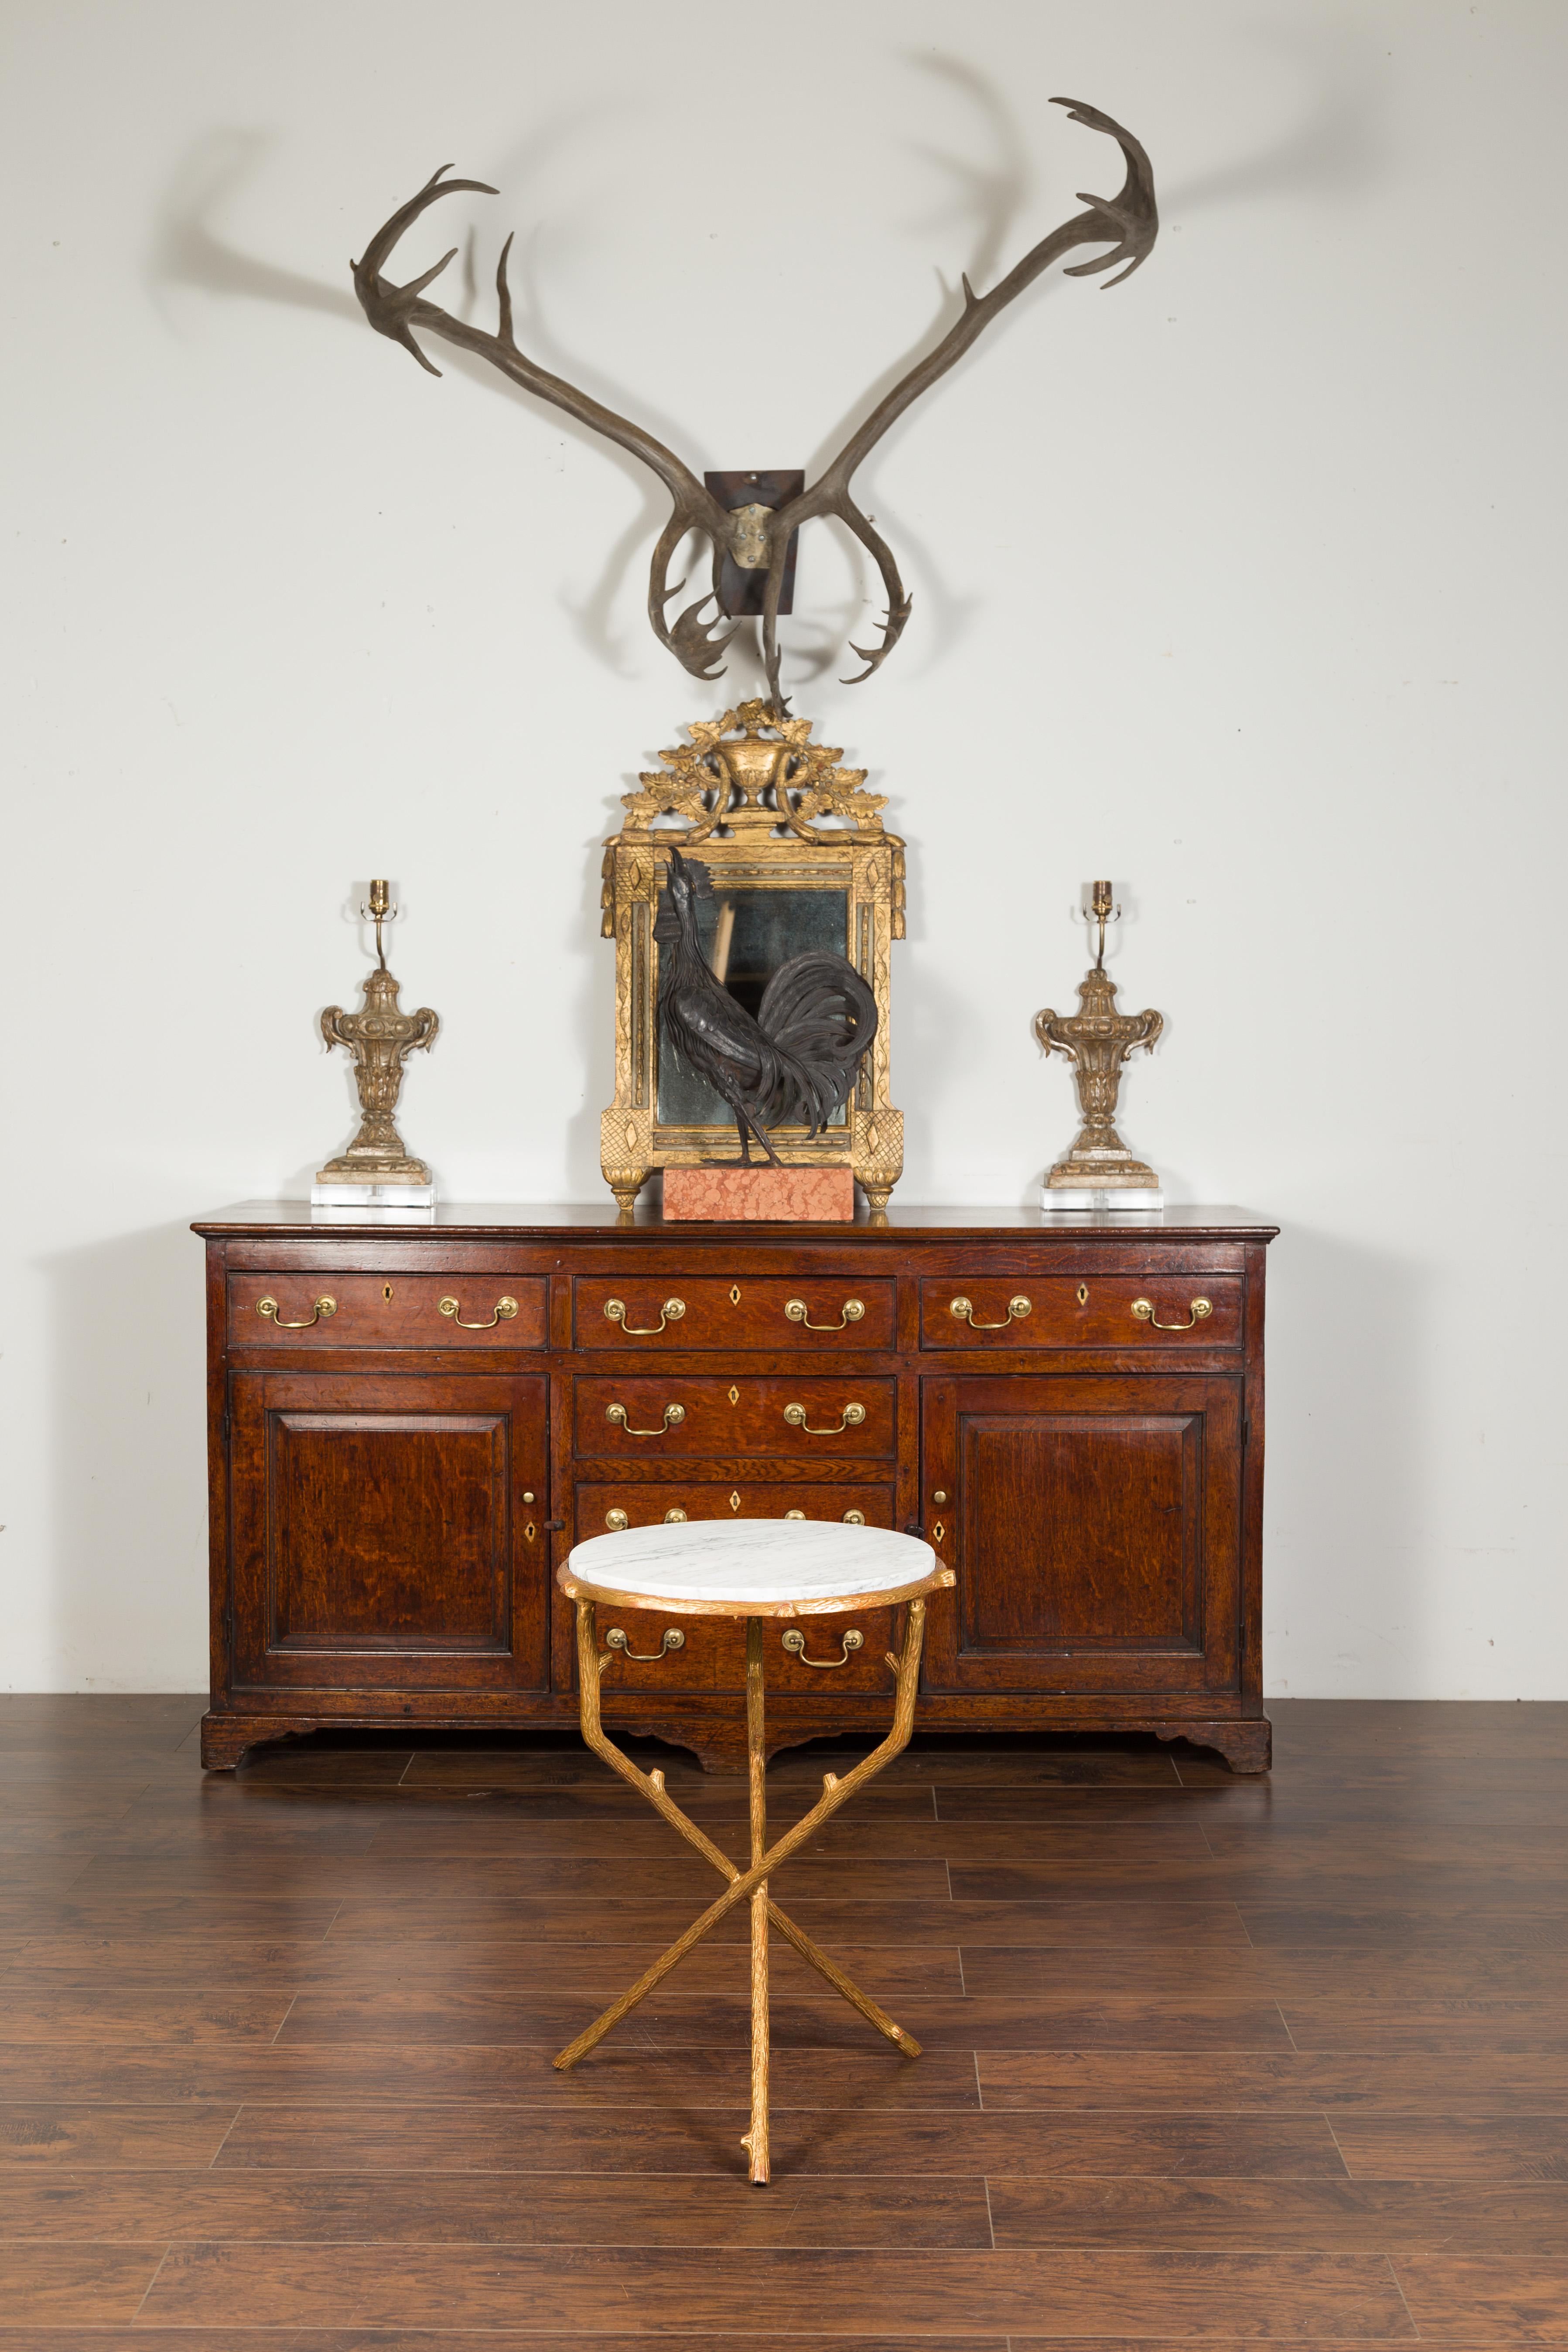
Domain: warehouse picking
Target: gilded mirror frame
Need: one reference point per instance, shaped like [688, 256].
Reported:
[762, 807]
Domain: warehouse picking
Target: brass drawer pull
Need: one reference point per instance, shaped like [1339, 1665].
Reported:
[851, 1519]
[616, 1521]
[851, 1418]
[505, 1309]
[673, 1413]
[1017, 1307]
[618, 1639]
[798, 1312]
[674, 1519]
[1198, 1311]
[794, 1642]
[321, 1313]
[670, 1312]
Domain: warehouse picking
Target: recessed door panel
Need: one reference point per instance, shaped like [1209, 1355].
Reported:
[1095, 1528]
[1101, 1514]
[389, 1530]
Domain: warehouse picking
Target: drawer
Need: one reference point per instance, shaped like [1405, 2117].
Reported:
[710, 1654]
[819, 1313]
[392, 1310]
[656, 1418]
[1118, 1311]
[605, 1505]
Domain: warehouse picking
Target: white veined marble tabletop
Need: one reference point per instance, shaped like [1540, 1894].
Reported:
[752, 1568]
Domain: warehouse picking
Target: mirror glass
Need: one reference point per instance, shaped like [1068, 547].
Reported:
[746, 935]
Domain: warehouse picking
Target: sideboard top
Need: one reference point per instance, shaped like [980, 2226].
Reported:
[462, 1221]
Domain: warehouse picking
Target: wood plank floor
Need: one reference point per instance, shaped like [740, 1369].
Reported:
[1207, 2060]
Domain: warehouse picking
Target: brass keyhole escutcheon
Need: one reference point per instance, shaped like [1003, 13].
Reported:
[938, 1532]
[529, 1532]
[734, 1502]
[734, 1294]
[1083, 1294]
[734, 1396]
[386, 1290]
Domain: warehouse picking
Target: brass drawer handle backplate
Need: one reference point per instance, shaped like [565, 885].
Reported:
[322, 1310]
[794, 1642]
[798, 1312]
[1197, 1312]
[670, 1312]
[618, 1639]
[851, 1418]
[673, 1413]
[1017, 1307]
[451, 1309]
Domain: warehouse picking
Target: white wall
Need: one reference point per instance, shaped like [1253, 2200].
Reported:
[1242, 582]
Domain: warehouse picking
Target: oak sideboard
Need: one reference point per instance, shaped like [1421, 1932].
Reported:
[409, 1426]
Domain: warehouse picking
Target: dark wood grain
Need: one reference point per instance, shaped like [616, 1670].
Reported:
[755, 1317]
[78, 2286]
[375, 1559]
[1103, 2292]
[1400, 2219]
[1092, 1518]
[118, 2206]
[1297, 2082]
[1488, 2299]
[837, 2141]
[274, 2053]
[673, 2022]
[1096, 1314]
[381, 1531]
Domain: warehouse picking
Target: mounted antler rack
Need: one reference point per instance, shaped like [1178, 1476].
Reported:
[1128, 223]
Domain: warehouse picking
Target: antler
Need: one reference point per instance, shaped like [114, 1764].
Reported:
[1128, 222]
[398, 311]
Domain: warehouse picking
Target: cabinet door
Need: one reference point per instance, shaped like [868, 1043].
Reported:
[1095, 1526]
[389, 1531]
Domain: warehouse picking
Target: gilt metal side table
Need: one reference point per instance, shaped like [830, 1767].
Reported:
[762, 1571]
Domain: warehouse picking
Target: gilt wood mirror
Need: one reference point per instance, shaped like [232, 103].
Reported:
[798, 859]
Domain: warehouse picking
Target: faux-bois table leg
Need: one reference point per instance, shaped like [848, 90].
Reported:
[744, 1885]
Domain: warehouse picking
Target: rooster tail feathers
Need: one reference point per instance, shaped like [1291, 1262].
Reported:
[819, 1017]
[817, 1007]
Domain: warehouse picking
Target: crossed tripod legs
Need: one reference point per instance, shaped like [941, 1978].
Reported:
[750, 1885]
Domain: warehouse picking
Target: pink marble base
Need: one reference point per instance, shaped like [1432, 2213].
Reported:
[809, 1196]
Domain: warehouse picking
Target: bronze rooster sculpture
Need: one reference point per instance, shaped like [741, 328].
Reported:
[796, 1061]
